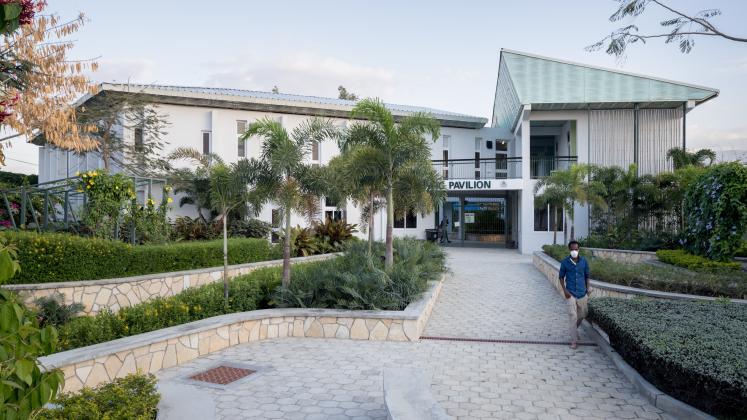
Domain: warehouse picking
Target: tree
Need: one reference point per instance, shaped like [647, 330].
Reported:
[51, 81]
[682, 158]
[571, 186]
[344, 94]
[281, 174]
[401, 145]
[360, 174]
[112, 114]
[193, 181]
[228, 190]
[680, 27]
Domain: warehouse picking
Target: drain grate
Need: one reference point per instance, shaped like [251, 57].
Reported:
[503, 341]
[222, 375]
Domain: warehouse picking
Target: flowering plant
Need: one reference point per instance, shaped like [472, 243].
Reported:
[106, 197]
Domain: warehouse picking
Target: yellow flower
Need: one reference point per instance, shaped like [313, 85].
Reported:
[169, 200]
[77, 173]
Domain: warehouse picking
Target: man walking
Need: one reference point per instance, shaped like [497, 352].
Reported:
[574, 278]
[443, 229]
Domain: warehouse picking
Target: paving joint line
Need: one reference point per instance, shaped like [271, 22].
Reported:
[505, 341]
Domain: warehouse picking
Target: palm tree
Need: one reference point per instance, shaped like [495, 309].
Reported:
[571, 186]
[228, 190]
[682, 158]
[359, 174]
[216, 186]
[398, 144]
[282, 176]
[193, 182]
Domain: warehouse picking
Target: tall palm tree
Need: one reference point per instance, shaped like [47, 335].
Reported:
[281, 174]
[399, 144]
[571, 186]
[359, 174]
[682, 158]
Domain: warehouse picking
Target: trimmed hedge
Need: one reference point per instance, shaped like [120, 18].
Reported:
[665, 279]
[682, 258]
[53, 257]
[246, 293]
[693, 351]
[133, 397]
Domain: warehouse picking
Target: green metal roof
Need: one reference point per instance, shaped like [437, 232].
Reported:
[552, 84]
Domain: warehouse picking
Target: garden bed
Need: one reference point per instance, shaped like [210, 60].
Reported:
[693, 351]
[653, 277]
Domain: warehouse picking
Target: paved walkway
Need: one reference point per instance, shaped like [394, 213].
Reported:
[497, 293]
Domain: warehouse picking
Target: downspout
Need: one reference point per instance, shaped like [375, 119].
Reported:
[684, 126]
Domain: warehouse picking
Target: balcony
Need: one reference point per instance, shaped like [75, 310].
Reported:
[501, 167]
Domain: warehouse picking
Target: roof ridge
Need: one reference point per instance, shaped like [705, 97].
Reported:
[402, 107]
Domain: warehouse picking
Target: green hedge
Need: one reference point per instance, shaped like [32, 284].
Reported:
[52, 257]
[666, 279]
[693, 351]
[133, 397]
[682, 258]
[246, 293]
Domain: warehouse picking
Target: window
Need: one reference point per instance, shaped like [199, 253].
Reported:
[240, 129]
[478, 143]
[275, 222]
[544, 220]
[328, 202]
[206, 149]
[138, 138]
[410, 221]
[335, 215]
[315, 151]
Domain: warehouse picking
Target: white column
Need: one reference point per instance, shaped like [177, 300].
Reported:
[526, 197]
[525, 150]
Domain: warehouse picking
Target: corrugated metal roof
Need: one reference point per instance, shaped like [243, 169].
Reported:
[282, 99]
[549, 83]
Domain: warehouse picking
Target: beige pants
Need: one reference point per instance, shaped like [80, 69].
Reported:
[577, 308]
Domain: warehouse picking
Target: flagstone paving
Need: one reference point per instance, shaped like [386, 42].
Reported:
[492, 294]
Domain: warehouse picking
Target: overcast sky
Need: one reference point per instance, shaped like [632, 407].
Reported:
[441, 54]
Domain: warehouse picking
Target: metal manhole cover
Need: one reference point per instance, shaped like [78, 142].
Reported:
[222, 375]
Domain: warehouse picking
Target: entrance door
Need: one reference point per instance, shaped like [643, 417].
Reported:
[485, 220]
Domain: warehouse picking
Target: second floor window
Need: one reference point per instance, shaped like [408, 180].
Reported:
[315, 151]
[240, 129]
[206, 146]
[138, 138]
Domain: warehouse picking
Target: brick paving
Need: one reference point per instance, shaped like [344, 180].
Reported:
[303, 378]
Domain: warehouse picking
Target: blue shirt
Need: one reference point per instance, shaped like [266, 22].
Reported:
[575, 274]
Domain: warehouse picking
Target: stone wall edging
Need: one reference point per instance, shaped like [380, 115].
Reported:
[156, 350]
[622, 255]
[548, 266]
[117, 293]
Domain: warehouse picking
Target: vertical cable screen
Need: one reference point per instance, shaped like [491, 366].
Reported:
[659, 130]
[611, 135]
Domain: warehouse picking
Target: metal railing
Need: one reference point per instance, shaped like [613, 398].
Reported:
[542, 166]
[492, 168]
[56, 203]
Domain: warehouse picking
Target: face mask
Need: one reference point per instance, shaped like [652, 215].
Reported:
[574, 254]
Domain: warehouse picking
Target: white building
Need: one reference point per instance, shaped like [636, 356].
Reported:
[547, 114]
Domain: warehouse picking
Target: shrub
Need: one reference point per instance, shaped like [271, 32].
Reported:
[682, 258]
[246, 293]
[693, 351]
[334, 233]
[107, 195]
[51, 310]
[187, 229]
[251, 228]
[716, 209]
[652, 277]
[52, 257]
[133, 397]
[358, 280]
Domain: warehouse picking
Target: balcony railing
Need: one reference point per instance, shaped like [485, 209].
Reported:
[541, 166]
[501, 167]
[492, 168]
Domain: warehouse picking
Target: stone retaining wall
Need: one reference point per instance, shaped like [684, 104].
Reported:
[548, 266]
[156, 350]
[128, 291]
[623, 255]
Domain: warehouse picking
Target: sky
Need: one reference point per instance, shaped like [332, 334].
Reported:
[440, 54]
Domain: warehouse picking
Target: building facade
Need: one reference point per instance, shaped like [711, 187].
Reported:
[547, 115]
